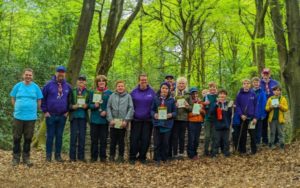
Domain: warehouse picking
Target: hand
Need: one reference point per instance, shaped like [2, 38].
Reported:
[254, 121]
[96, 105]
[47, 114]
[112, 123]
[156, 116]
[66, 114]
[124, 124]
[75, 106]
[84, 106]
[206, 102]
[186, 104]
[103, 113]
[169, 115]
[176, 104]
[243, 117]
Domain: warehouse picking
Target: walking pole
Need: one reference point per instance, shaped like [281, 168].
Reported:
[231, 123]
[240, 135]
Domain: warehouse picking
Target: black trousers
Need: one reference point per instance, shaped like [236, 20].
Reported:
[99, 133]
[117, 137]
[140, 136]
[243, 140]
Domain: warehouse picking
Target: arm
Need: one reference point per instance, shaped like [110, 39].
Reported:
[130, 111]
[109, 106]
[268, 105]
[13, 101]
[173, 110]
[44, 100]
[153, 108]
[283, 105]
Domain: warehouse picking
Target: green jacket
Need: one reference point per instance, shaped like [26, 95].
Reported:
[79, 112]
[212, 99]
[96, 118]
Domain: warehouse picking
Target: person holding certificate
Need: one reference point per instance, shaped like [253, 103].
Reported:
[79, 100]
[181, 120]
[119, 113]
[196, 119]
[99, 125]
[26, 100]
[163, 112]
[276, 106]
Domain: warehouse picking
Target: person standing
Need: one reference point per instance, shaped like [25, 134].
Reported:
[26, 99]
[55, 106]
[99, 125]
[79, 101]
[141, 125]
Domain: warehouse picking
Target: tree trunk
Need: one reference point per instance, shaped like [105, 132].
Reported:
[80, 40]
[112, 37]
[203, 62]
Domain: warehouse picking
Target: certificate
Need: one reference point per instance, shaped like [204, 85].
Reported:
[251, 125]
[181, 103]
[275, 102]
[80, 101]
[97, 97]
[162, 113]
[196, 109]
[118, 123]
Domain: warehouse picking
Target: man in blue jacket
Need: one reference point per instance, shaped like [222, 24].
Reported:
[266, 84]
[55, 106]
[246, 107]
[261, 104]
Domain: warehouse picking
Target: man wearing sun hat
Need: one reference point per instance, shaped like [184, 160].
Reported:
[55, 106]
[266, 84]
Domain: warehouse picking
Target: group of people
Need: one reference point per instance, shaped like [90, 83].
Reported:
[165, 114]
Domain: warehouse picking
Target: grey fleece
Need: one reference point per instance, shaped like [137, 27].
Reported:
[120, 106]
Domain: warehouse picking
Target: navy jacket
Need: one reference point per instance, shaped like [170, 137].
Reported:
[261, 103]
[171, 108]
[226, 116]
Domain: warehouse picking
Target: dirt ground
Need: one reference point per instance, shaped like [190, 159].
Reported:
[269, 168]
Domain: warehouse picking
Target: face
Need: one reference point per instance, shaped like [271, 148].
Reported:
[265, 75]
[164, 90]
[169, 80]
[195, 95]
[27, 76]
[204, 93]
[181, 85]
[256, 84]
[143, 82]
[246, 85]
[277, 92]
[60, 75]
[101, 84]
[213, 89]
[120, 88]
[222, 96]
[81, 83]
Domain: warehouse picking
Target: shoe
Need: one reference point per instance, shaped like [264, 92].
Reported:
[206, 153]
[144, 161]
[157, 163]
[282, 146]
[59, 159]
[180, 156]
[93, 160]
[132, 162]
[111, 159]
[15, 162]
[48, 159]
[120, 159]
[72, 160]
[272, 146]
[27, 161]
[82, 160]
[102, 160]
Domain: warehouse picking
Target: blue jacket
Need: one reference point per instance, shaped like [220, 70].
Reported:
[246, 103]
[226, 116]
[271, 84]
[171, 108]
[261, 103]
[236, 119]
[96, 118]
[52, 103]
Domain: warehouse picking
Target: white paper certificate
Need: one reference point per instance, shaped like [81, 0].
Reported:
[251, 125]
[196, 109]
[162, 113]
[80, 100]
[181, 103]
[97, 98]
[275, 102]
[118, 123]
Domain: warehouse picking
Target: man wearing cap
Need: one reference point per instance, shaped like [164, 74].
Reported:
[170, 79]
[266, 84]
[78, 100]
[55, 106]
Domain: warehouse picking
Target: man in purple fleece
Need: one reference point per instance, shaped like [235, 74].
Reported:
[55, 107]
[141, 125]
[246, 102]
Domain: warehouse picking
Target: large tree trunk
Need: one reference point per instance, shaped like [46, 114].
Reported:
[289, 59]
[112, 37]
[80, 40]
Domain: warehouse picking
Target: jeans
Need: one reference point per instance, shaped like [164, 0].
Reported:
[161, 144]
[55, 128]
[25, 129]
[276, 127]
[117, 137]
[77, 138]
[194, 131]
[140, 136]
[258, 129]
[99, 133]
[178, 136]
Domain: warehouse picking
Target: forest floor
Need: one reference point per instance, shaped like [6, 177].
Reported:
[269, 168]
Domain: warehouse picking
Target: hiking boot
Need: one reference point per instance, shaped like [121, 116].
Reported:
[16, 159]
[48, 159]
[132, 162]
[120, 159]
[59, 159]
[82, 160]
[282, 146]
[26, 160]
